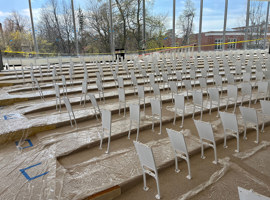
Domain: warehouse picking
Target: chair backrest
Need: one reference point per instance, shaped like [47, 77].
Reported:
[152, 79]
[203, 83]
[230, 79]
[205, 130]
[134, 110]
[178, 76]
[156, 107]
[99, 85]
[145, 155]
[84, 87]
[121, 93]
[197, 98]
[173, 86]
[265, 105]
[165, 76]
[214, 94]
[67, 104]
[120, 81]
[263, 87]
[140, 89]
[246, 89]
[187, 84]
[177, 140]
[204, 73]
[57, 91]
[114, 75]
[229, 121]
[259, 76]
[232, 91]
[64, 80]
[192, 74]
[156, 90]
[179, 101]
[218, 80]
[98, 76]
[93, 100]
[246, 77]
[106, 118]
[249, 115]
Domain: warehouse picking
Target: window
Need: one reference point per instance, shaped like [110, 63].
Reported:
[233, 45]
[218, 43]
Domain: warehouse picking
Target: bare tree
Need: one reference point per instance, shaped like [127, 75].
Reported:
[186, 21]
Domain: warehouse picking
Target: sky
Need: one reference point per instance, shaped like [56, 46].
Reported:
[213, 11]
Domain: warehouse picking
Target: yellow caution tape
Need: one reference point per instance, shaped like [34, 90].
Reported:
[153, 49]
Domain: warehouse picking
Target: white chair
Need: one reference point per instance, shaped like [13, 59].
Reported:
[165, 79]
[265, 106]
[179, 78]
[39, 89]
[230, 127]
[120, 81]
[230, 79]
[192, 75]
[100, 89]
[246, 91]
[197, 102]
[58, 97]
[94, 104]
[232, 96]
[250, 195]
[156, 112]
[148, 164]
[180, 149]
[203, 85]
[156, 91]
[134, 110]
[106, 118]
[214, 97]
[218, 83]
[246, 77]
[115, 78]
[141, 95]
[122, 99]
[71, 73]
[179, 104]
[70, 111]
[262, 90]
[249, 116]
[188, 87]
[64, 84]
[206, 135]
[173, 88]
[133, 80]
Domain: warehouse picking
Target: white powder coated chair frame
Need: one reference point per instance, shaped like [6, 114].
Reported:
[106, 118]
[70, 111]
[141, 95]
[180, 149]
[165, 80]
[134, 110]
[249, 116]
[230, 127]
[214, 97]
[122, 100]
[179, 104]
[156, 111]
[218, 83]
[203, 85]
[71, 73]
[230, 79]
[58, 97]
[265, 105]
[206, 135]
[156, 91]
[94, 104]
[148, 164]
